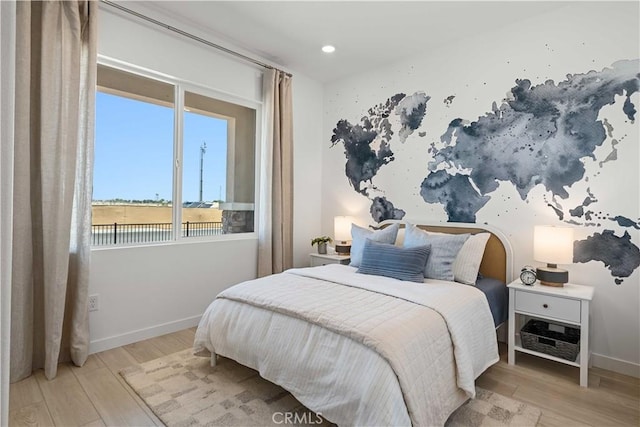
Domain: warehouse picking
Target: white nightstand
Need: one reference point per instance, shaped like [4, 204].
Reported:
[324, 259]
[568, 305]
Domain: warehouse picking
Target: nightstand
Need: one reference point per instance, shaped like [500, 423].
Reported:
[565, 306]
[324, 259]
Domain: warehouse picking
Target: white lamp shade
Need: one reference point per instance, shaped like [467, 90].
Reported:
[342, 228]
[553, 245]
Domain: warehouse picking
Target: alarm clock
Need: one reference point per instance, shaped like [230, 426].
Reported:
[528, 275]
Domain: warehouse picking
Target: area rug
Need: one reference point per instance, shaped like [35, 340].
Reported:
[183, 390]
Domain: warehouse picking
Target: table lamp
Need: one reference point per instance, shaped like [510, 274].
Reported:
[342, 234]
[552, 245]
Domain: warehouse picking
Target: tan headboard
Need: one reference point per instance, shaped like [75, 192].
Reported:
[496, 262]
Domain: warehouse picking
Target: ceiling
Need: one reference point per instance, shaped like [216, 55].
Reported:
[366, 34]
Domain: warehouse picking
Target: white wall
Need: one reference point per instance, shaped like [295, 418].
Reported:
[307, 169]
[573, 39]
[151, 290]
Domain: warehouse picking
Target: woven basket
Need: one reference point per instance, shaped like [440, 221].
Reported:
[535, 335]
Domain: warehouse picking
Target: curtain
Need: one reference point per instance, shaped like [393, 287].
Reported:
[275, 225]
[53, 159]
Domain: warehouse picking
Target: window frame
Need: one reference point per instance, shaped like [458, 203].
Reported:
[180, 87]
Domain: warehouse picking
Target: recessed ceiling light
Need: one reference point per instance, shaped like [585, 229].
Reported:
[328, 48]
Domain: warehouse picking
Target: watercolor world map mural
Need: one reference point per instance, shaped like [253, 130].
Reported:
[538, 136]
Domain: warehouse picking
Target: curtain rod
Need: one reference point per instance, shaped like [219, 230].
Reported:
[191, 36]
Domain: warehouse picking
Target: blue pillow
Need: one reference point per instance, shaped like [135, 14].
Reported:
[384, 259]
[359, 235]
[444, 250]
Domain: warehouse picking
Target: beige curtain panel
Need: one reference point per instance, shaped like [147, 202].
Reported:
[54, 127]
[275, 228]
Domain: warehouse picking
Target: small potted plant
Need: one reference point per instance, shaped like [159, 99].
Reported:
[322, 243]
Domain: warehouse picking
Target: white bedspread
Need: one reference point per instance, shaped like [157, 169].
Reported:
[360, 349]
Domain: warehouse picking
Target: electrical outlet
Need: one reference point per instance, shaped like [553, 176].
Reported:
[94, 303]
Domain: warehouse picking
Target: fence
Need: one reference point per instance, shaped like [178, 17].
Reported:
[114, 234]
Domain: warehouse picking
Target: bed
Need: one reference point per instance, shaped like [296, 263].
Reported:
[363, 349]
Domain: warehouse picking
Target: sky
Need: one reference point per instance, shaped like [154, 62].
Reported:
[134, 152]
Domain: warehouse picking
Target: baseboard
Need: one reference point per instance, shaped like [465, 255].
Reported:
[615, 365]
[142, 334]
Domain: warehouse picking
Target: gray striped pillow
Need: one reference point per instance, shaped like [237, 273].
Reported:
[444, 250]
[384, 259]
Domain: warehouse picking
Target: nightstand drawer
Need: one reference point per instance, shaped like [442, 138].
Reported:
[548, 306]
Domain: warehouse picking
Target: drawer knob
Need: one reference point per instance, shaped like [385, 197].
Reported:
[545, 305]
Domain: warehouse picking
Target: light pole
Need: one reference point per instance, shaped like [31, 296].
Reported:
[203, 149]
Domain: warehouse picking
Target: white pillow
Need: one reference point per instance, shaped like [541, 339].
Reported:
[467, 263]
[360, 234]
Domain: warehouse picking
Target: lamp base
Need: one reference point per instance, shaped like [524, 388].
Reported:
[555, 285]
[551, 276]
[343, 248]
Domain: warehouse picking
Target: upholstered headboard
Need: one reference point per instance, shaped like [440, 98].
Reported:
[497, 259]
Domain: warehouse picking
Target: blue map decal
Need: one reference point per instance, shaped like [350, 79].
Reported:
[623, 221]
[382, 209]
[411, 111]
[540, 135]
[536, 138]
[618, 254]
[579, 211]
[364, 160]
[455, 192]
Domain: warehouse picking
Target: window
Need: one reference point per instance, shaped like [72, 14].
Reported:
[153, 183]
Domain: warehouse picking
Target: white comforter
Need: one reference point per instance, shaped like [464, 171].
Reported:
[360, 349]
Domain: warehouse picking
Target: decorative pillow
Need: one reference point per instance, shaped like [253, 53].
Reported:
[360, 234]
[384, 259]
[444, 250]
[467, 263]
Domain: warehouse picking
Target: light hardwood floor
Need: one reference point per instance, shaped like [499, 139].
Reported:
[96, 395]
